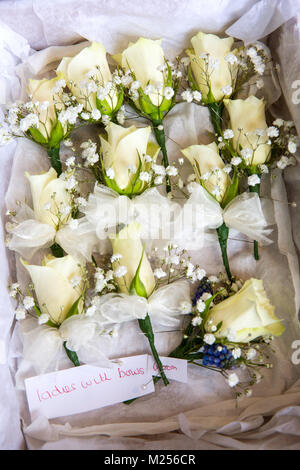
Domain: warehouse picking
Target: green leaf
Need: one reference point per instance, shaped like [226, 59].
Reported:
[103, 107]
[192, 80]
[37, 136]
[137, 286]
[72, 355]
[57, 135]
[74, 309]
[231, 190]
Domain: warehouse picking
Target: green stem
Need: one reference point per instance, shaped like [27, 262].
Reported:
[161, 140]
[146, 327]
[72, 355]
[255, 189]
[223, 232]
[57, 250]
[55, 160]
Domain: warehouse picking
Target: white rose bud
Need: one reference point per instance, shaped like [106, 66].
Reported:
[206, 158]
[53, 287]
[218, 68]
[128, 244]
[249, 115]
[248, 313]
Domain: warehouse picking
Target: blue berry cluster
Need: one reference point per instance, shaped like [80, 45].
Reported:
[216, 355]
[203, 287]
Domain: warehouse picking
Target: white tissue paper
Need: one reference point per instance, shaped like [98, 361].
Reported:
[202, 414]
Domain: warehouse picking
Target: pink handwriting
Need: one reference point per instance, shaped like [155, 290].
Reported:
[55, 392]
[130, 372]
[165, 367]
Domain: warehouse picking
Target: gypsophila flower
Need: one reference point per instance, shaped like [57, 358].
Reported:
[213, 279]
[253, 180]
[209, 338]
[232, 380]
[158, 180]
[228, 134]
[278, 122]
[81, 202]
[263, 168]
[70, 161]
[247, 153]
[231, 58]
[158, 169]
[28, 302]
[149, 89]
[196, 321]
[206, 296]
[197, 96]
[236, 353]
[292, 147]
[227, 168]
[145, 176]
[20, 313]
[159, 273]
[168, 92]
[251, 353]
[96, 115]
[120, 271]
[110, 173]
[187, 95]
[171, 170]
[283, 162]
[260, 132]
[31, 120]
[200, 306]
[44, 318]
[272, 131]
[85, 116]
[227, 90]
[71, 182]
[116, 257]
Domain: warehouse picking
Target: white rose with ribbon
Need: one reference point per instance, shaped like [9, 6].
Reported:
[48, 222]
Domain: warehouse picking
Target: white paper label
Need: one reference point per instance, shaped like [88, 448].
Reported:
[86, 388]
[175, 369]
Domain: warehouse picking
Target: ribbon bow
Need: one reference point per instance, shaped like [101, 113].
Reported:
[244, 214]
[106, 209]
[29, 235]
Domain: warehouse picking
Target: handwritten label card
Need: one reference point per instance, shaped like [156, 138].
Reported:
[86, 388]
[175, 369]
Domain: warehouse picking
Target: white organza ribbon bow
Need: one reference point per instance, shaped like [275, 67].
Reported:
[43, 344]
[106, 209]
[28, 235]
[164, 306]
[88, 335]
[244, 214]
